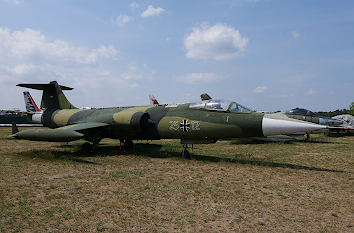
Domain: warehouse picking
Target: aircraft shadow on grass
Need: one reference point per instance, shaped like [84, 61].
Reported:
[54, 155]
[250, 142]
[154, 151]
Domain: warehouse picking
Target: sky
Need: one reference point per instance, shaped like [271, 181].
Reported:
[265, 54]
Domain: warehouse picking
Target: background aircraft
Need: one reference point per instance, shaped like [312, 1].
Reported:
[8, 117]
[307, 115]
[153, 100]
[34, 113]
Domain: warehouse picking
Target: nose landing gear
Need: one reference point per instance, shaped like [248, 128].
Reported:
[88, 148]
[185, 152]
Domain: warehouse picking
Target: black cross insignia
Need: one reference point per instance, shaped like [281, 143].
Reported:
[185, 125]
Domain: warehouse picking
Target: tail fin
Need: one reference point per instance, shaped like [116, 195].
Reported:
[31, 105]
[153, 100]
[205, 96]
[53, 96]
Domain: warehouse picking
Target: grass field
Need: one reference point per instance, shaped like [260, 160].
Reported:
[227, 187]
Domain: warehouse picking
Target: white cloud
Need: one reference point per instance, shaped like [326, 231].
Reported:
[311, 92]
[137, 72]
[151, 11]
[28, 56]
[260, 89]
[133, 85]
[193, 78]
[134, 5]
[23, 69]
[16, 2]
[131, 75]
[219, 42]
[295, 34]
[123, 19]
[31, 44]
[235, 3]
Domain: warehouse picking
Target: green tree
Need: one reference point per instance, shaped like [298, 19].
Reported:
[351, 109]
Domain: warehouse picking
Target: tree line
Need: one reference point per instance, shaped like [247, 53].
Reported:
[338, 112]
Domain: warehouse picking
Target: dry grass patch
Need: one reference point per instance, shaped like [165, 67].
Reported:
[276, 187]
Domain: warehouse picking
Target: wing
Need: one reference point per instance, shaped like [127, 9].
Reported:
[89, 131]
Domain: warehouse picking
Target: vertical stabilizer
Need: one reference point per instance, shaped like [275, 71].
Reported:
[153, 100]
[31, 106]
[53, 96]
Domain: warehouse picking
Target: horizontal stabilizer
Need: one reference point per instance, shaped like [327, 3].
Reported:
[42, 86]
[53, 96]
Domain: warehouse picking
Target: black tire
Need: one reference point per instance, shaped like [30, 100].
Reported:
[128, 144]
[185, 154]
[87, 148]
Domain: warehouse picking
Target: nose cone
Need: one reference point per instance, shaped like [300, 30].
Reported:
[272, 126]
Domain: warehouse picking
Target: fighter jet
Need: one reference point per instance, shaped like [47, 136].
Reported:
[348, 125]
[192, 123]
[307, 115]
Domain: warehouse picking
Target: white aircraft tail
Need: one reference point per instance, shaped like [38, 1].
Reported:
[31, 106]
[153, 100]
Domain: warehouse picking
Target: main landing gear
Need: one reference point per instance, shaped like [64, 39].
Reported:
[308, 137]
[185, 152]
[88, 148]
[127, 144]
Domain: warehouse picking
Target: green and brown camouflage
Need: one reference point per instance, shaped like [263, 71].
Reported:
[202, 122]
[164, 121]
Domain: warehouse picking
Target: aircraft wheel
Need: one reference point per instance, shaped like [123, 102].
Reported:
[96, 141]
[308, 137]
[87, 148]
[128, 144]
[185, 154]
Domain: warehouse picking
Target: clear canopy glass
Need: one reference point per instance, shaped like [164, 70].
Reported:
[220, 105]
[301, 111]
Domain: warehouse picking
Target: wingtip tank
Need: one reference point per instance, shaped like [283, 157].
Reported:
[50, 135]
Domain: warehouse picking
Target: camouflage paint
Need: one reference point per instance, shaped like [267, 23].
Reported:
[202, 123]
[191, 125]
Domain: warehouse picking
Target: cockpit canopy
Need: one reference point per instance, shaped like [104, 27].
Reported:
[220, 105]
[301, 111]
